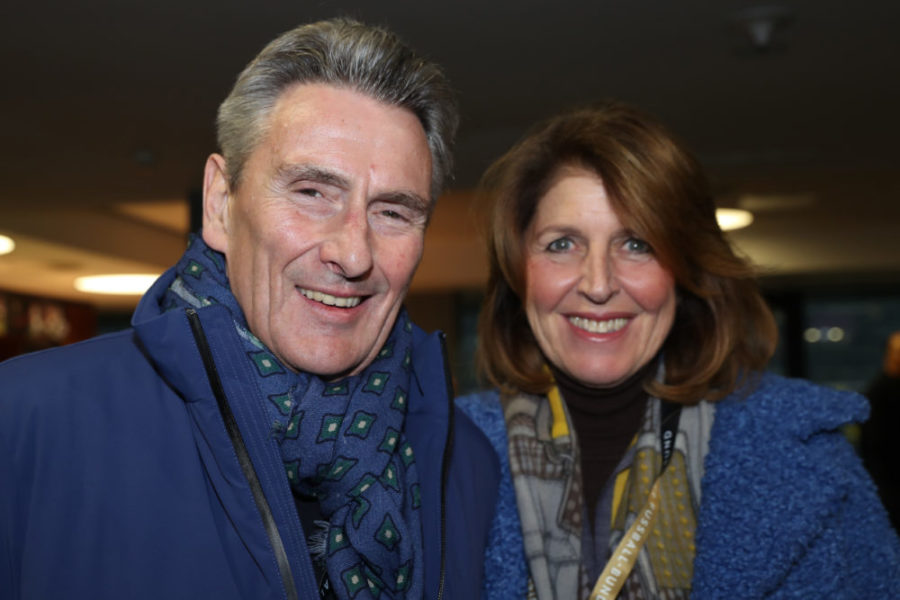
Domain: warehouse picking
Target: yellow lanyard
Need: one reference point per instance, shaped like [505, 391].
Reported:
[623, 558]
[625, 555]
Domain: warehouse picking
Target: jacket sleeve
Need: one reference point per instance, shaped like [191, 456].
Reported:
[6, 519]
[506, 570]
[788, 511]
[870, 545]
[9, 567]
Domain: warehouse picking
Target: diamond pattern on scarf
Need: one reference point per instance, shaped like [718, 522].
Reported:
[341, 442]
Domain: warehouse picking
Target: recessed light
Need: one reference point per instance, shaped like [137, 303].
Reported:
[730, 219]
[7, 244]
[132, 284]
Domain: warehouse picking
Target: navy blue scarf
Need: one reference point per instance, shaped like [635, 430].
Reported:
[341, 442]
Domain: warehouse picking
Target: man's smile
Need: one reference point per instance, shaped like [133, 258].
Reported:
[329, 300]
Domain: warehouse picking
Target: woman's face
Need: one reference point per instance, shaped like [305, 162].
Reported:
[599, 303]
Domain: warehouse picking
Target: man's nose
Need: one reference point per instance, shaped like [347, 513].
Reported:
[599, 281]
[347, 249]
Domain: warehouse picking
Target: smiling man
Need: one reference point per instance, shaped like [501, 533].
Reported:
[325, 229]
[273, 425]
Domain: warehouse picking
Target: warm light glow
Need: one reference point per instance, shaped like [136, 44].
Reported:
[733, 218]
[127, 285]
[7, 244]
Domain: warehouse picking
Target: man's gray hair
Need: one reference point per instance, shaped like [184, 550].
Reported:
[347, 54]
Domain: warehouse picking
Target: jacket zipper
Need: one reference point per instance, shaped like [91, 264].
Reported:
[243, 456]
[445, 465]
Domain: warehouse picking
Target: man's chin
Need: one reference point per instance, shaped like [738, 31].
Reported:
[332, 367]
[334, 352]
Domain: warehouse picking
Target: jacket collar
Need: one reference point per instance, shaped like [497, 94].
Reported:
[166, 338]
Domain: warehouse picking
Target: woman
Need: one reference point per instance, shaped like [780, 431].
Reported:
[646, 453]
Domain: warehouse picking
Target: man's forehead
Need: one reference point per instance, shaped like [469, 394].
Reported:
[332, 134]
[323, 99]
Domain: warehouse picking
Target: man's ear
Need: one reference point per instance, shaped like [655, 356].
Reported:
[216, 203]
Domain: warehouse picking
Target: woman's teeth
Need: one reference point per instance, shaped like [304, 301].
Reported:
[592, 326]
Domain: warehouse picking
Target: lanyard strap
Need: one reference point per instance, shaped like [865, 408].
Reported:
[625, 555]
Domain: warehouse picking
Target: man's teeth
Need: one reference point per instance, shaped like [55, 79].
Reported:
[592, 326]
[328, 299]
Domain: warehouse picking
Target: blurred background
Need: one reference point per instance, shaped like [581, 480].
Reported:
[108, 107]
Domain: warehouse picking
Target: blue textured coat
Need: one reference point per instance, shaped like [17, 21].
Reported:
[787, 509]
[118, 479]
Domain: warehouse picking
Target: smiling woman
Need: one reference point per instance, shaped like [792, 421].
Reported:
[598, 302]
[627, 342]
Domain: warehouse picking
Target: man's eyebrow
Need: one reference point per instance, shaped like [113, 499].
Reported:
[410, 199]
[303, 172]
[293, 172]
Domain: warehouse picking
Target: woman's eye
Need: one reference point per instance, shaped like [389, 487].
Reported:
[560, 245]
[637, 246]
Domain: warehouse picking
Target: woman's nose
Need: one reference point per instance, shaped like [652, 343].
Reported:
[598, 278]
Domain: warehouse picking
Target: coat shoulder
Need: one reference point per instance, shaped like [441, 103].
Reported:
[772, 403]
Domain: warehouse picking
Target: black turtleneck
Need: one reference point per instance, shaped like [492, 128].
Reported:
[605, 421]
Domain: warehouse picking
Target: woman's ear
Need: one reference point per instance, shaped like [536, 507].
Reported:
[216, 198]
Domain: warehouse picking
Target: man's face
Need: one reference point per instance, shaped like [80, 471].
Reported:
[325, 230]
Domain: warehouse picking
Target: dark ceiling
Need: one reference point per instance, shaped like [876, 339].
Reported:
[108, 102]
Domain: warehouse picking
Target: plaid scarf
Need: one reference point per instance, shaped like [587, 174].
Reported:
[341, 442]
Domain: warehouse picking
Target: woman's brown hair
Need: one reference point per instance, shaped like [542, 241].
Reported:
[723, 328]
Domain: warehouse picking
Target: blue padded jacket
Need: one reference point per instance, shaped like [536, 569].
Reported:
[121, 476]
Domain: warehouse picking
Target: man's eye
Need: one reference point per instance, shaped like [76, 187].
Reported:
[399, 214]
[560, 245]
[311, 192]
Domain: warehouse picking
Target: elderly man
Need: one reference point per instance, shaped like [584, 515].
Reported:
[273, 426]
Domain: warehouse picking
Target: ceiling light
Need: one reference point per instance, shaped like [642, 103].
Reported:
[126, 285]
[7, 244]
[733, 218]
[835, 334]
[761, 24]
[812, 335]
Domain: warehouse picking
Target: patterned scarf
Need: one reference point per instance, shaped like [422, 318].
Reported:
[546, 471]
[665, 565]
[341, 442]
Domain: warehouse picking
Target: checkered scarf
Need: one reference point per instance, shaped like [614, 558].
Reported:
[341, 442]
